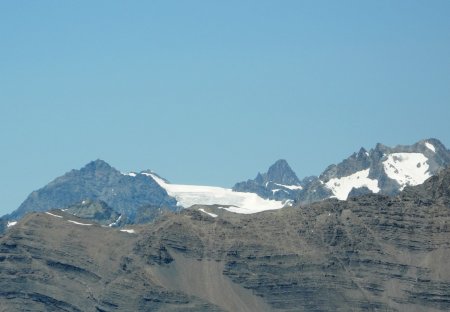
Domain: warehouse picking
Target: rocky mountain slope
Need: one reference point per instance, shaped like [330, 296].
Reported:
[98, 181]
[382, 170]
[96, 211]
[371, 252]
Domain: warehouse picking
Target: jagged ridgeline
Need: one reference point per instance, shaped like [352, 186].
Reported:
[141, 197]
[369, 253]
[382, 170]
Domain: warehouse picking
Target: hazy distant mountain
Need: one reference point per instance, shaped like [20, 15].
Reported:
[383, 170]
[370, 253]
[98, 181]
[279, 183]
[140, 197]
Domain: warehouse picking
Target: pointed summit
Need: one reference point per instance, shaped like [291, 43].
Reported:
[279, 183]
[280, 172]
[363, 153]
[98, 181]
[98, 164]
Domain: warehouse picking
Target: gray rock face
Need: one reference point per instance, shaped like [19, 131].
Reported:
[97, 181]
[279, 183]
[372, 252]
[97, 211]
[280, 172]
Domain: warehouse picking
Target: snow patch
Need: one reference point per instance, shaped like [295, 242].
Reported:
[208, 213]
[291, 187]
[407, 168]
[51, 214]
[188, 195]
[279, 190]
[131, 231]
[430, 147]
[79, 223]
[115, 222]
[289, 202]
[341, 187]
[11, 223]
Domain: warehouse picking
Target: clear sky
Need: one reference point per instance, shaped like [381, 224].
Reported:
[211, 92]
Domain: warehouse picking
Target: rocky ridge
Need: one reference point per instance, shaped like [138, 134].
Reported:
[372, 252]
[141, 197]
[384, 170]
[98, 181]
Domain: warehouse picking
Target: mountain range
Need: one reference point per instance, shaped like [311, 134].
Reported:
[383, 170]
[371, 252]
[140, 197]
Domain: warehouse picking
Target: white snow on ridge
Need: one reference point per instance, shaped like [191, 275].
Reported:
[188, 195]
[341, 187]
[79, 223]
[291, 187]
[407, 168]
[115, 222]
[208, 213]
[131, 231]
[11, 223]
[430, 147]
[51, 214]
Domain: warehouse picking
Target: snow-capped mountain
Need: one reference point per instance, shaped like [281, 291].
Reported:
[383, 170]
[140, 197]
[102, 193]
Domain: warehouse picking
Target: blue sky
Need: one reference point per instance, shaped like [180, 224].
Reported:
[211, 92]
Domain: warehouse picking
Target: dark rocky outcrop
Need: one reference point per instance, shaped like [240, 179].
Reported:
[97, 211]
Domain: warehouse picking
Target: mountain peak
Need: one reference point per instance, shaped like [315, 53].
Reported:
[362, 151]
[279, 183]
[97, 181]
[281, 172]
[97, 164]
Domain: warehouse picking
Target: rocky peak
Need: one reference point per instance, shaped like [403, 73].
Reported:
[362, 153]
[280, 172]
[98, 181]
[275, 184]
[97, 165]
